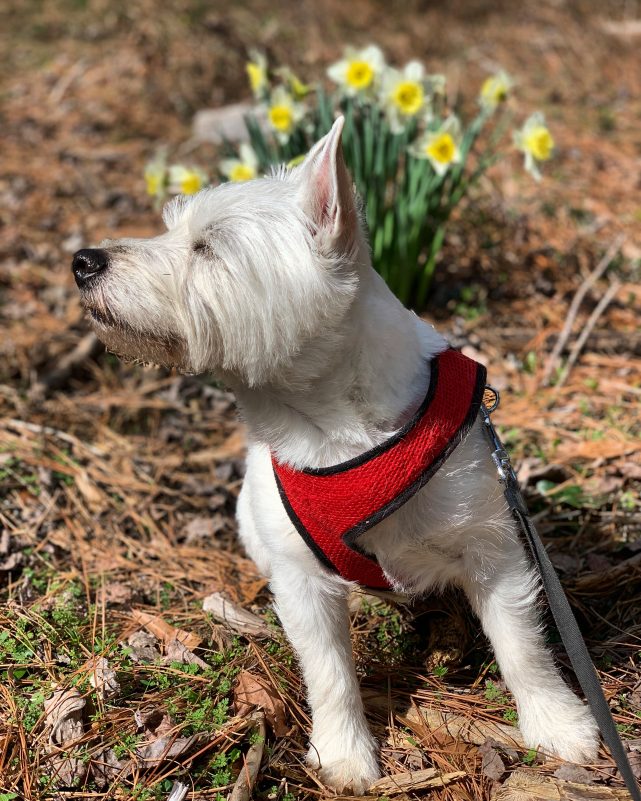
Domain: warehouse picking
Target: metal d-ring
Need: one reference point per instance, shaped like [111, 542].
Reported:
[494, 405]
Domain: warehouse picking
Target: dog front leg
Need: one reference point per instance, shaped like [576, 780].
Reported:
[314, 614]
[505, 598]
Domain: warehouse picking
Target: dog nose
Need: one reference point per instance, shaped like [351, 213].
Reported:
[87, 263]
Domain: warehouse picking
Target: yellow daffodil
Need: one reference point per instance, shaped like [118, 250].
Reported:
[283, 113]
[360, 71]
[244, 168]
[403, 94]
[296, 161]
[535, 141]
[186, 180]
[257, 74]
[495, 90]
[156, 177]
[298, 89]
[441, 147]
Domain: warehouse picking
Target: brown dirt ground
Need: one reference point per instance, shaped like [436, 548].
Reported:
[145, 458]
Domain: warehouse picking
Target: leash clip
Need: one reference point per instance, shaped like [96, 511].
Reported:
[501, 459]
[500, 456]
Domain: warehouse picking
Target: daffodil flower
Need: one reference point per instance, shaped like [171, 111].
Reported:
[441, 147]
[535, 141]
[403, 94]
[495, 90]
[186, 180]
[156, 177]
[283, 113]
[359, 72]
[297, 88]
[243, 168]
[257, 73]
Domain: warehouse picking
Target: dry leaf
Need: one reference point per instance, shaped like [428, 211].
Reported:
[452, 726]
[491, 763]
[235, 616]
[176, 652]
[163, 742]
[155, 722]
[64, 716]
[67, 770]
[253, 691]
[202, 528]
[9, 561]
[89, 490]
[164, 631]
[114, 593]
[142, 647]
[102, 677]
[574, 773]
[165, 748]
[105, 767]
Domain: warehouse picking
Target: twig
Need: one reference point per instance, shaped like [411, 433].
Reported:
[88, 347]
[36, 428]
[249, 772]
[577, 300]
[526, 786]
[601, 306]
[414, 780]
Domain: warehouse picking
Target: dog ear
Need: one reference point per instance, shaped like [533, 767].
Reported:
[327, 194]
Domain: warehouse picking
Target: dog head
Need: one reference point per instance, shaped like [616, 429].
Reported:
[244, 278]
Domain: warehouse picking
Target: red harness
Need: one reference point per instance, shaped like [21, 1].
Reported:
[331, 506]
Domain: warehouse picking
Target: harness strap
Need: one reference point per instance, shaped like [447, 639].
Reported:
[561, 611]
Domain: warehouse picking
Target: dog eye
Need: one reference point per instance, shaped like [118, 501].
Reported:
[200, 247]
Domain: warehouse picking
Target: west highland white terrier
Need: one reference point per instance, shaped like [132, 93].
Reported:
[269, 286]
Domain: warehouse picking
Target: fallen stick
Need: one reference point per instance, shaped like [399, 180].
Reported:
[602, 581]
[35, 428]
[527, 786]
[601, 306]
[414, 780]
[462, 728]
[249, 771]
[577, 300]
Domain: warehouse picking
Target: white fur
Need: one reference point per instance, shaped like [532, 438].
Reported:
[269, 285]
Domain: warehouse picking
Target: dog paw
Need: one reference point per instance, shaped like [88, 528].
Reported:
[564, 728]
[352, 773]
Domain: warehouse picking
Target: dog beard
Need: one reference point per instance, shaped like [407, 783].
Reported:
[133, 345]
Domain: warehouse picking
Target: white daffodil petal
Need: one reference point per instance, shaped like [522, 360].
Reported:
[374, 55]
[248, 155]
[414, 71]
[337, 71]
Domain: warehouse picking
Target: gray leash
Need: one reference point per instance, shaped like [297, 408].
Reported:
[559, 606]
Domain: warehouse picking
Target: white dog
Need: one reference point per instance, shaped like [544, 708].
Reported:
[269, 286]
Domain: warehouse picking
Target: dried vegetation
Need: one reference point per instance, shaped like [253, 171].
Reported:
[117, 484]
